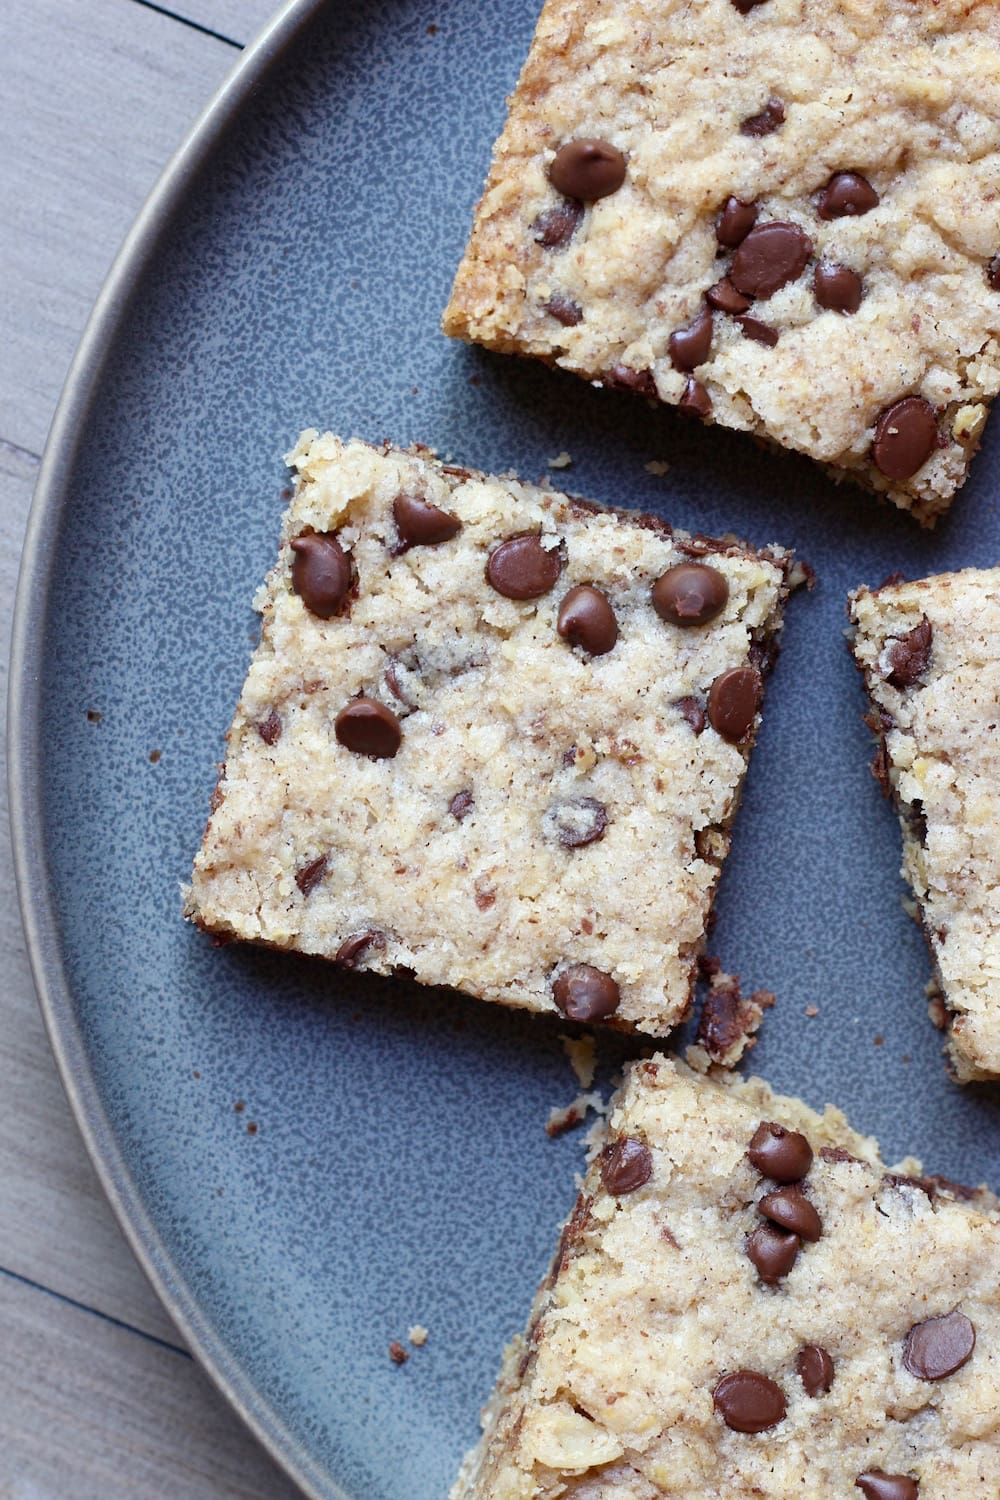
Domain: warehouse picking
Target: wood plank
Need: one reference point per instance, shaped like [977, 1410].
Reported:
[239, 19]
[55, 1224]
[87, 1407]
[88, 122]
[90, 1411]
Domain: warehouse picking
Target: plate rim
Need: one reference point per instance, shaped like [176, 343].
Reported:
[31, 869]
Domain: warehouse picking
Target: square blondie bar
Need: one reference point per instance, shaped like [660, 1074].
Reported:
[779, 217]
[746, 1303]
[930, 655]
[492, 735]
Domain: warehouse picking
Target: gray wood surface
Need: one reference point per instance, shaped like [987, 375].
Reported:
[97, 95]
[98, 1400]
[107, 1414]
[237, 20]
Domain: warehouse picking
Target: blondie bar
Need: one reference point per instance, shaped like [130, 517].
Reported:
[492, 735]
[930, 654]
[746, 1303]
[778, 217]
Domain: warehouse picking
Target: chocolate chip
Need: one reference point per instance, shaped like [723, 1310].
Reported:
[461, 805]
[769, 258]
[368, 728]
[837, 287]
[396, 688]
[584, 993]
[578, 823]
[815, 1369]
[564, 310]
[749, 1402]
[269, 729]
[940, 1346]
[735, 222]
[781, 1154]
[626, 379]
[692, 710]
[625, 1165]
[587, 169]
[690, 594]
[761, 333]
[790, 1208]
[746, 6]
[906, 435]
[935, 1183]
[561, 1120]
[993, 273]
[732, 702]
[773, 1252]
[767, 122]
[908, 655]
[321, 573]
[837, 1154]
[354, 948]
[903, 1180]
[695, 402]
[881, 724]
[726, 298]
[586, 619]
[879, 1486]
[847, 194]
[521, 568]
[422, 524]
[690, 346]
[880, 767]
[700, 545]
[310, 875]
[556, 226]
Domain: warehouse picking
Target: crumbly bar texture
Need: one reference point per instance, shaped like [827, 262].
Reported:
[660, 1362]
[525, 798]
[729, 1020]
[930, 655]
[856, 267]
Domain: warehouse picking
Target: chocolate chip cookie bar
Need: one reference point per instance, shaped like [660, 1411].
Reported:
[930, 655]
[777, 217]
[492, 736]
[746, 1303]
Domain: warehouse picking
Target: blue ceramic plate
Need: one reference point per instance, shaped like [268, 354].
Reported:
[290, 272]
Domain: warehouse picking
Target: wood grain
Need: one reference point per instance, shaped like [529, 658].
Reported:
[88, 120]
[238, 19]
[89, 1411]
[95, 99]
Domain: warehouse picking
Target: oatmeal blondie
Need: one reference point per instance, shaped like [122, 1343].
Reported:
[492, 735]
[930, 654]
[746, 1303]
[778, 217]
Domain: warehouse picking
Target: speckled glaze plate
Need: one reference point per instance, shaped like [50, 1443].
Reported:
[290, 271]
